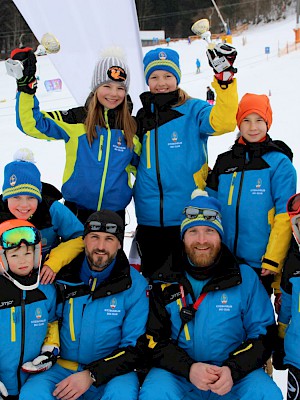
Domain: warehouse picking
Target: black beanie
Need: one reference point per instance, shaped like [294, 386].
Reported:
[105, 217]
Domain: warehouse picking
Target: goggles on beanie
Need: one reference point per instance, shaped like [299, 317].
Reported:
[14, 237]
[14, 233]
[96, 226]
[193, 212]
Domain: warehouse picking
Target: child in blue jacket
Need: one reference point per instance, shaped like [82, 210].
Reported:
[253, 182]
[29, 340]
[174, 129]
[102, 150]
[24, 196]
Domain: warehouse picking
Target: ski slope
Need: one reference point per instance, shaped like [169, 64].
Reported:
[257, 73]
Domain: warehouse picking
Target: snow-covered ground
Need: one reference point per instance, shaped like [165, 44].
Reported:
[257, 73]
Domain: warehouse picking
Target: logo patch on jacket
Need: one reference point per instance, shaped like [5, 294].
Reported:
[175, 142]
[258, 188]
[224, 306]
[39, 320]
[112, 310]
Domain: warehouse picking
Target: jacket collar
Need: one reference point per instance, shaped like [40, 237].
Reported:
[118, 281]
[227, 272]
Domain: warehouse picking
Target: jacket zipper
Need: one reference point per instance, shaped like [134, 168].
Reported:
[22, 340]
[107, 153]
[237, 213]
[161, 195]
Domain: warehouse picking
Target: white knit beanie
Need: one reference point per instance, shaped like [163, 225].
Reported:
[111, 68]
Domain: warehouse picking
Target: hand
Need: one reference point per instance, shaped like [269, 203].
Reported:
[3, 391]
[221, 59]
[277, 303]
[201, 375]
[72, 387]
[43, 362]
[28, 82]
[265, 272]
[47, 275]
[224, 384]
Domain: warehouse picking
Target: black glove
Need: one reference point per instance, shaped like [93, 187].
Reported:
[221, 59]
[278, 355]
[28, 82]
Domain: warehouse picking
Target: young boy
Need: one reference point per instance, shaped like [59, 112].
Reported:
[174, 129]
[253, 182]
[25, 197]
[27, 310]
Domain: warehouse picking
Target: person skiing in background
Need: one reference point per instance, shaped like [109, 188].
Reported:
[198, 65]
[173, 129]
[102, 150]
[25, 197]
[211, 324]
[287, 354]
[28, 324]
[210, 96]
[253, 182]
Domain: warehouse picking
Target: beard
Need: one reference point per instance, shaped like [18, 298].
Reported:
[200, 259]
[99, 262]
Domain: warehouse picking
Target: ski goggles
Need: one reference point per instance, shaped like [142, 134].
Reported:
[207, 214]
[13, 238]
[293, 205]
[96, 226]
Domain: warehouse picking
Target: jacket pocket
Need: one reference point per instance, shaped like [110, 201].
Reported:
[148, 153]
[231, 189]
[100, 148]
[13, 324]
[71, 320]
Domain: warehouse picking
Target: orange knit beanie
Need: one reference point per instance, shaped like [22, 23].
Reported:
[254, 103]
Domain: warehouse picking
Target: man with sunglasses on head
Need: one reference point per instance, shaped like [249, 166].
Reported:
[103, 309]
[287, 354]
[28, 324]
[211, 323]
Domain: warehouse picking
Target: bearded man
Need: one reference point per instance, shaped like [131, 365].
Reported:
[211, 322]
[102, 309]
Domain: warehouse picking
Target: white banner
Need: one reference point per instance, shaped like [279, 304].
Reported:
[84, 29]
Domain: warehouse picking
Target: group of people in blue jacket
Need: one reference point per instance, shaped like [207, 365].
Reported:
[197, 322]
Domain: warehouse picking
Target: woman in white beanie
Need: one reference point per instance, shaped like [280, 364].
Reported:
[101, 147]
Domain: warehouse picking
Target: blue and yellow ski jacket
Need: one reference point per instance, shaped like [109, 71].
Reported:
[100, 324]
[233, 326]
[174, 151]
[27, 321]
[253, 182]
[95, 177]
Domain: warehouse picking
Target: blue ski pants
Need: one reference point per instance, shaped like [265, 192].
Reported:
[163, 385]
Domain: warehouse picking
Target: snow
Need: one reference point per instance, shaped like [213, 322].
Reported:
[257, 73]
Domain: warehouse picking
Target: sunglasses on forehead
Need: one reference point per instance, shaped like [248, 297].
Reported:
[96, 226]
[293, 204]
[207, 214]
[13, 238]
